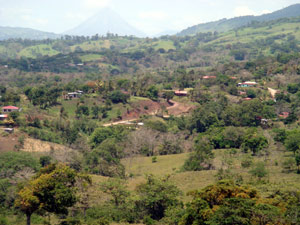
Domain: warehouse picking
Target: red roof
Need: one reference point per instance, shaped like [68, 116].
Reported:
[209, 77]
[3, 116]
[10, 107]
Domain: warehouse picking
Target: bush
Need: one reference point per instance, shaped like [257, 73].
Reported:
[247, 162]
[156, 125]
[259, 170]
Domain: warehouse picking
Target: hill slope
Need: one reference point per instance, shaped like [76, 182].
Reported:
[103, 22]
[25, 33]
[229, 24]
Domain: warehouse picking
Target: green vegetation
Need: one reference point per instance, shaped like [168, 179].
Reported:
[168, 128]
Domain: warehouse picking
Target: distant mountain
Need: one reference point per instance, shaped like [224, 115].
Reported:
[105, 21]
[229, 24]
[25, 33]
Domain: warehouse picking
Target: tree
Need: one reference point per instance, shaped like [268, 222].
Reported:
[297, 158]
[52, 189]
[117, 189]
[157, 195]
[208, 200]
[152, 92]
[254, 142]
[292, 141]
[200, 159]
[45, 160]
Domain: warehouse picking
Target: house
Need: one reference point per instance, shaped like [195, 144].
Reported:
[209, 77]
[247, 99]
[247, 84]
[9, 130]
[76, 94]
[242, 93]
[181, 93]
[284, 115]
[8, 109]
[3, 117]
[233, 78]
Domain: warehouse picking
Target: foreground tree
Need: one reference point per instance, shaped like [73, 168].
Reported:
[52, 190]
[156, 196]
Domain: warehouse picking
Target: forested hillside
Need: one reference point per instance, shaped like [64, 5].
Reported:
[224, 25]
[200, 129]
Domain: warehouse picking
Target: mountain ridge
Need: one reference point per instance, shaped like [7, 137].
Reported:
[224, 24]
[7, 32]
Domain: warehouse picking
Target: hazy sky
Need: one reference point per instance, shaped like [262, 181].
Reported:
[150, 16]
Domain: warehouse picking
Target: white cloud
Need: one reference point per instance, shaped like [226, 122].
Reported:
[153, 15]
[243, 11]
[92, 4]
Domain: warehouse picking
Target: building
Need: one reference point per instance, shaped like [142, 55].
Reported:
[284, 115]
[76, 94]
[8, 109]
[247, 84]
[181, 93]
[209, 77]
[3, 117]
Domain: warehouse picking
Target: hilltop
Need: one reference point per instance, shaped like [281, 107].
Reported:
[105, 21]
[224, 25]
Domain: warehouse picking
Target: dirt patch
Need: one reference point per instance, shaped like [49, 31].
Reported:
[144, 107]
[33, 145]
[178, 108]
[148, 107]
[8, 143]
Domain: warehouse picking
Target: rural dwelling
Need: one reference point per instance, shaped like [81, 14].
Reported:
[181, 93]
[209, 77]
[8, 109]
[247, 84]
[3, 117]
[9, 130]
[247, 99]
[76, 94]
[284, 115]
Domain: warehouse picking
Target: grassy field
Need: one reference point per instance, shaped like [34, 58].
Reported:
[171, 165]
[90, 57]
[35, 51]
[166, 45]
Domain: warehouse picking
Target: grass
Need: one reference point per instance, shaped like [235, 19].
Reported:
[166, 45]
[35, 51]
[171, 165]
[90, 57]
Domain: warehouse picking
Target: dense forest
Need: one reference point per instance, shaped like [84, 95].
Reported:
[178, 130]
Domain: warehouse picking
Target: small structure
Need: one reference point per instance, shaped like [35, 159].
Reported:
[76, 94]
[247, 84]
[9, 130]
[8, 109]
[247, 99]
[3, 117]
[209, 77]
[233, 78]
[284, 115]
[242, 93]
[181, 93]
